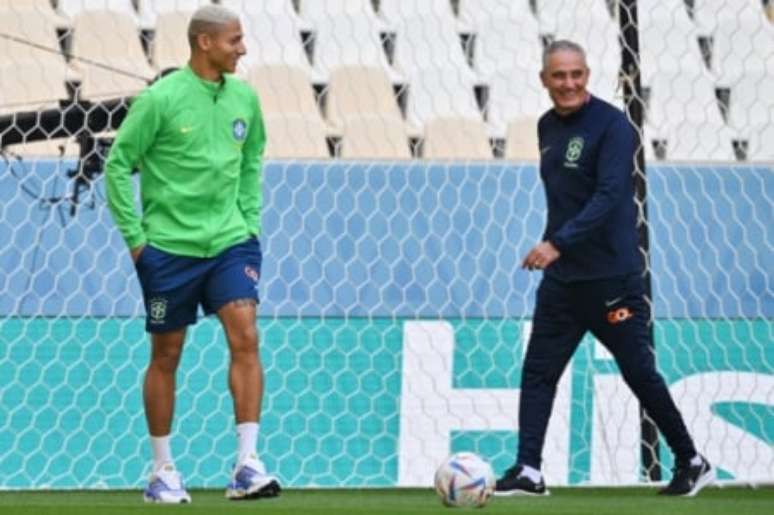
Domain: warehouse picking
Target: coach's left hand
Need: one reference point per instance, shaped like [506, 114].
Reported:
[541, 256]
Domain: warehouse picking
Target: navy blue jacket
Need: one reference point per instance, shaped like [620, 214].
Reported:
[586, 164]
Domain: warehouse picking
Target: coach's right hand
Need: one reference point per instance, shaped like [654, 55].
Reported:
[135, 252]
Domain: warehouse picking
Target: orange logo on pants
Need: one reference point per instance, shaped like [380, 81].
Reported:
[619, 315]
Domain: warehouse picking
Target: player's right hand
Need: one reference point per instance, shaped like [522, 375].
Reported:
[135, 252]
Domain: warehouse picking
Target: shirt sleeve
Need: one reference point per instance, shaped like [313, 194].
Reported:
[250, 199]
[615, 165]
[135, 136]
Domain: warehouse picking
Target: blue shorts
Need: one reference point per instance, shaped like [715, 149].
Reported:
[174, 286]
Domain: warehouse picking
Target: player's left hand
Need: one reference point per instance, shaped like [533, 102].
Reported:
[541, 256]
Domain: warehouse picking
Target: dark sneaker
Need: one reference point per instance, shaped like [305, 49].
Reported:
[250, 481]
[514, 483]
[689, 479]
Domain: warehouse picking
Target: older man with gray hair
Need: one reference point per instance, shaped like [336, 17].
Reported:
[197, 136]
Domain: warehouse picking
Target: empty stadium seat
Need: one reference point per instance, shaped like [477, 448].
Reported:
[508, 54]
[284, 90]
[73, 8]
[456, 138]
[151, 10]
[439, 10]
[441, 92]
[31, 86]
[683, 111]
[374, 137]
[170, 43]
[521, 141]
[111, 41]
[743, 41]
[761, 145]
[588, 23]
[668, 40]
[30, 31]
[115, 78]
[272, 31]
[347, 33]
[42, 8]
[356, 90]
[751, 113]
[295, 136]
[429, 52]
[58, 147]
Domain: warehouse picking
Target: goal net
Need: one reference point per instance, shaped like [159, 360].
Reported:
[401, 190]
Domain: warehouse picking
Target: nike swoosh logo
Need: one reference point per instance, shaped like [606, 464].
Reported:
[544, 150]
[609, 303]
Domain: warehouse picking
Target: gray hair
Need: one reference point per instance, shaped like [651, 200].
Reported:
[562, 45]
[207, 19]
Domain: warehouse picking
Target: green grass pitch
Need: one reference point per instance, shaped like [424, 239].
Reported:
[563, 501]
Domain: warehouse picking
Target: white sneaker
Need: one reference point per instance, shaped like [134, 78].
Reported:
[166, 486]
[250, 480]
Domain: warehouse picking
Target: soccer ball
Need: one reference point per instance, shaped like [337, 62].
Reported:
[464, 480]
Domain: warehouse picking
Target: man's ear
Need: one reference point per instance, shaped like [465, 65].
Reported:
[204, 41]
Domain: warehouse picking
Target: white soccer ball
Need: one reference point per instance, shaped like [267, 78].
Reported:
[464, 480]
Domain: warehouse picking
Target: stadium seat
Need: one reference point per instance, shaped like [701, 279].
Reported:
[428, 51]
[761, 145]
[742, 50]
[42, 8]
[683, 111]
[115, 78]
[295, 136]
[347, 32]
[374, 137]
[439, 10]
[170, 43]
[35, 5]
[441, 92]
[355, 90]
[284, 90]
[73, 8]
[589, 24]
[59, 147]
[34, 31]
[668, 40]
[151, 10]
[112, 41]
[743, 41]
[751, 113]
[508, 55]
[272, 31]
[456, 138]
[521, 141]
[31, 86]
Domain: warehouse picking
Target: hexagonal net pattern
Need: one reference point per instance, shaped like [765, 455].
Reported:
[393, 321]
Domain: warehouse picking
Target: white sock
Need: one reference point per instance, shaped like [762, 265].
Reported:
[696, 461]
[531, 473]
[247, 434]
[161, 451]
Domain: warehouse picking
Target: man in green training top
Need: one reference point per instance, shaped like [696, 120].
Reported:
[197, 137]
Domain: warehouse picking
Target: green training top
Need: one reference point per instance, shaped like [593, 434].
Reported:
[199, 147]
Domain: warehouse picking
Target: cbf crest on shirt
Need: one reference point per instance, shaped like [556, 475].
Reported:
[573, 152]
[239, 129]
